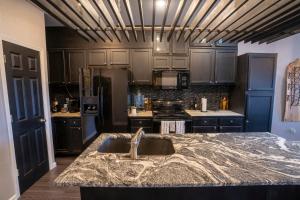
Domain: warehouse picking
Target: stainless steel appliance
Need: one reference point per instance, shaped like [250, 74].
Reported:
[171, 79]
[169, 110]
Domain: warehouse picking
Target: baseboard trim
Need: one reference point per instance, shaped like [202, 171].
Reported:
[14, 197]
[53, 165]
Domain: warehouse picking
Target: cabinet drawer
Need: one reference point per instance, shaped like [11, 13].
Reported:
[146, 129]
[141, 122]
[205, 129]
[74, 122]
[232, 121]
[205, 122]
[227, 129]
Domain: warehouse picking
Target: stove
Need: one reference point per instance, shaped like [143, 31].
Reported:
[169, 110]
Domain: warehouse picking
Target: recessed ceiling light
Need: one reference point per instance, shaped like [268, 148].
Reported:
[160, 3]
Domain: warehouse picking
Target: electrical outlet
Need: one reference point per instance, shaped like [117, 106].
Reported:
[292, 131]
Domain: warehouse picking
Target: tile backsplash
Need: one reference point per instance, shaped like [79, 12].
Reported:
[189, 96]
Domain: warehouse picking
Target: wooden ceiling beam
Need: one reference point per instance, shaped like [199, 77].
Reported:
[93, 17]
[176, 17]
[101, 8]
[153, 18]
[281, 36]
[202, 13]
[116, 11]
[283, 18]
[140, 4]
[130, 17]
[230, 10]
[216, 12]
[62, 19]
[164, 19]
[264, 19]
[81, 18]
[188, 16]
[58, 8]
[245, 9]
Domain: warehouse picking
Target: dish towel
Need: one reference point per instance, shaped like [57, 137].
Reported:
[180, 127]
[292, 102]
[172, 126]
[164, 127]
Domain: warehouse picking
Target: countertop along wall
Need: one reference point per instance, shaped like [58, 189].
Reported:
[21, 23]
[288, 50]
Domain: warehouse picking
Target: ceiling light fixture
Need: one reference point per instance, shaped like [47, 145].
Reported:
[160, 3]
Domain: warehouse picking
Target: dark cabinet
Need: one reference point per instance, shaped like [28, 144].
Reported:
[67, 135]
[211, 66]
[261, 71]
[56, 66]
[145, 123]
[225, 69]
[202, 66]
[74, 60]
[217, 124]
[141, 66]
[258, 111]
[64, 65]
[254, 92]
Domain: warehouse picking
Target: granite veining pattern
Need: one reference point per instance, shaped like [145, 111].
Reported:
[210, 113]
[219, 159]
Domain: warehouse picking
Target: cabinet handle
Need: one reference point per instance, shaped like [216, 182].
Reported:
[210, 81]
[65, 122]
[247, 121]
[140, 122]
[216, 128]
[216, 81]
[205, 122]
[231, 121]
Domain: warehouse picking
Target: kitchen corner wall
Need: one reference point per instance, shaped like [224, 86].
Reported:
[21, 23]
[288, 50]
[189, 96]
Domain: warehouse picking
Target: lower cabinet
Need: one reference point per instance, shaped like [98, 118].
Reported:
[67, 135]
[136, 123]
[217, 124]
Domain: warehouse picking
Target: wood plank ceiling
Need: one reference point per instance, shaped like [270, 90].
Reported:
[207, 21]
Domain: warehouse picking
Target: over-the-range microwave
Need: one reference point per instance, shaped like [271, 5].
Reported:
[171, 79]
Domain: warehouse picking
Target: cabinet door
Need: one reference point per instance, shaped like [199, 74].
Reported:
[97, 58]
[75, 60]
[161, 47]
[180, 62]
[56, 66]
[261, 71]
[205, 129]
[119, 56]
[259, 112]
[202, 66]
[75, 140]
[141, 65]
[61, 135]
[180, 47]
[162, 62]
[225, 66]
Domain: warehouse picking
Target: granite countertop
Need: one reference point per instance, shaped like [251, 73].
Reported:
[220, 159]
[210, 113]
[67, 114]
[141, 114]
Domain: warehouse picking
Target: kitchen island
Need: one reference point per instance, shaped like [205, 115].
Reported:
[204, 166]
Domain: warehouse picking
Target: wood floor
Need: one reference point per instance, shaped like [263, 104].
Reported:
[44, 189]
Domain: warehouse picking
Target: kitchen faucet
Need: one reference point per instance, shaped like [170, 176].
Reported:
[135, 141]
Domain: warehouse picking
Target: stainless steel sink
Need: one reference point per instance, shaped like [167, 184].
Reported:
[147, 146]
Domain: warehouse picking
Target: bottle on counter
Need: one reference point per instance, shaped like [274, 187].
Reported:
[224, 103]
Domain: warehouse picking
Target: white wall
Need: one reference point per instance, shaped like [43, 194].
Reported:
[21, 23]
[288, 50]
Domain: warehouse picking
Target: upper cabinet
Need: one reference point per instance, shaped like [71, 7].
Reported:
[64, 65]
[56, 66]
[97, 57]
[75, 59]
[179, 62]
[180, 47]
[202, 66]
[261, 71]
[211, 66]
[161, 62]
[163, 46]
[119, 56]
[225, 69]
[141, 66]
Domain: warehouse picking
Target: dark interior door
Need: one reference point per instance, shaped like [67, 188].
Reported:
[26, 107]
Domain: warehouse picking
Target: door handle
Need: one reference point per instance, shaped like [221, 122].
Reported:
[42, 120]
